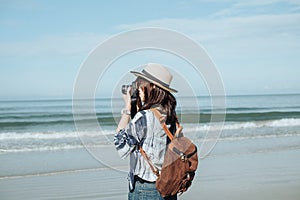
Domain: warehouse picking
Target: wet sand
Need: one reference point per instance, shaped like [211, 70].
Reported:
[273, 175]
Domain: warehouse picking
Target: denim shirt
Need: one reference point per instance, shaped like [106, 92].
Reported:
[144, 130]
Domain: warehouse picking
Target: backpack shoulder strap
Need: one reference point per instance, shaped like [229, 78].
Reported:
[152, 166]
[169, 134]
[163, 124]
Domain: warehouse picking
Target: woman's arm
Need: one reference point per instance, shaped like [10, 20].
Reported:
[132, 135]
[124, 139]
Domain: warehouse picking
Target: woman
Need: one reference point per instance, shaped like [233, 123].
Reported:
[145, 130]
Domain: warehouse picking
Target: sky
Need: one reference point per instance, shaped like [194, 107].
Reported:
[255, 45]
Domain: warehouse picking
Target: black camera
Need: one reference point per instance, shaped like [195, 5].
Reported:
[133, 88]
[133, 95]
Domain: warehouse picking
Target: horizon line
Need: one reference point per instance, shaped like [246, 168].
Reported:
[102, 98]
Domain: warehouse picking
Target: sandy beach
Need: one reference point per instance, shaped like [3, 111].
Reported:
[262, 175]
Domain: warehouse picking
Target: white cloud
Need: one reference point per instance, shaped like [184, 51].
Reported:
[265, 2]
[72, 44]
[254, 7]
[253, 2]
[259, 26]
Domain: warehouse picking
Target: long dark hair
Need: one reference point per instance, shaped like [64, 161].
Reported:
[156, 96]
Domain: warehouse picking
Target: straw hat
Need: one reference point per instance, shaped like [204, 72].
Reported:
[156, 74]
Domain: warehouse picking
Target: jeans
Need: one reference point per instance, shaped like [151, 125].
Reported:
[147, 191]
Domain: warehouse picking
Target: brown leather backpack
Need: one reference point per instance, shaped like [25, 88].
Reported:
[180, 162]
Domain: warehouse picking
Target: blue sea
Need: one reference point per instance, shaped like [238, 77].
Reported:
[48, 125]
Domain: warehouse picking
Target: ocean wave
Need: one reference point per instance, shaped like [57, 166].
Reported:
[52, 135]
[52, 118]
[13, 142]
[40, 148]
[65, 146]
[258, 137]
[289, 122]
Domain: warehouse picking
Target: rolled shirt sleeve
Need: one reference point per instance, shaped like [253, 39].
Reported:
[134, 134]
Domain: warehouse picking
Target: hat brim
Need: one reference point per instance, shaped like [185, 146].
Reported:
[139, 74]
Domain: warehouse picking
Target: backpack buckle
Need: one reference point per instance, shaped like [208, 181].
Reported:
[183, 157]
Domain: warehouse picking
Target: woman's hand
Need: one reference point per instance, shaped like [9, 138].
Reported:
[127, 99]
[125, 117]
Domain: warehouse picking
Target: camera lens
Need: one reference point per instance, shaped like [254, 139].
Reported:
[124, 89]
[133, 89]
